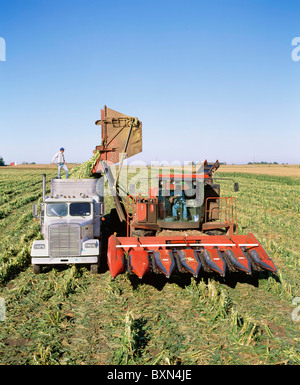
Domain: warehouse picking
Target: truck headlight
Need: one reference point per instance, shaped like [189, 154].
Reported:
[90, 245]
[39, 246]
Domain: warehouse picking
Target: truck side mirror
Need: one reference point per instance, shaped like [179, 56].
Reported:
[34, 211]
[102, 210]
[236, 186]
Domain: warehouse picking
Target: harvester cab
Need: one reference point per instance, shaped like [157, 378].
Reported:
[183, 201]
[180, 200]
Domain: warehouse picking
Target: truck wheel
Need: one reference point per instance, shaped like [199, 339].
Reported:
[94, 268]
[37, 269]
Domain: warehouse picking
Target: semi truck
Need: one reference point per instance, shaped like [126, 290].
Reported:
[70, 223]
[71, 217]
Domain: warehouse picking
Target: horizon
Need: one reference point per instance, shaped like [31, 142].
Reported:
[161, 164]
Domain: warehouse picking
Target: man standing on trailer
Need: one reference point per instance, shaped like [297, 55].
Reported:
[61, 163]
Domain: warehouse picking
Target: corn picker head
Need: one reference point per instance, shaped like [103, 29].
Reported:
[221, 254]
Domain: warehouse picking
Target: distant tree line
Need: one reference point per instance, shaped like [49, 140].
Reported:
[263, 162]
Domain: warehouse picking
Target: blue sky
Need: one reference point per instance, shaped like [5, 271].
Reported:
[209, 79]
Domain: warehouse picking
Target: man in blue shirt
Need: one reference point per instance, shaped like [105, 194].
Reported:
[61, 163]
[178, 200]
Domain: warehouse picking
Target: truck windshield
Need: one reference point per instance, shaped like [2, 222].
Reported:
[80, 209]
[57, 209]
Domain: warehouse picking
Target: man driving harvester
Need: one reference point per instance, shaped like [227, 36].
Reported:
[178, 201]
[61, 163]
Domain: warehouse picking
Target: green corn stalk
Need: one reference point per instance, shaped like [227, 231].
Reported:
[84, 170]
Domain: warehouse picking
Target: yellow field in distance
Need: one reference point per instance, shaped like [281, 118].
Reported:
[291, 170]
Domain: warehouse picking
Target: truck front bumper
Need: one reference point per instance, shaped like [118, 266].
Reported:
[63, 260]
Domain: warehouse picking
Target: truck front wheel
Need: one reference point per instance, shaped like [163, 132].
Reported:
[94, 268]
[37, 269]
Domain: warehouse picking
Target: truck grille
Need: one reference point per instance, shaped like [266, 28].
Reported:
[64, 240]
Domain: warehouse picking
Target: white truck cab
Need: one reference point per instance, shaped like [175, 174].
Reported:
[70, 220]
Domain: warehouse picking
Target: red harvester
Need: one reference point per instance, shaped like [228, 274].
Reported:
[182, 225]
